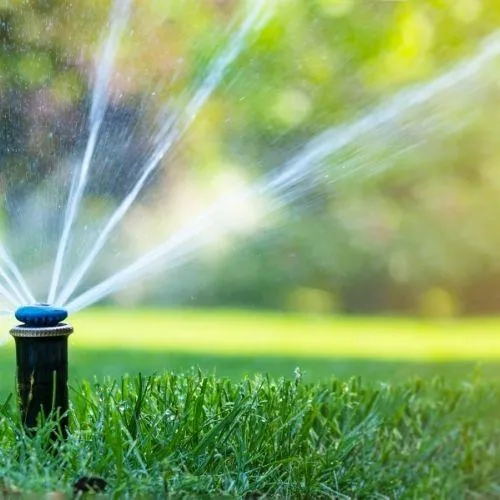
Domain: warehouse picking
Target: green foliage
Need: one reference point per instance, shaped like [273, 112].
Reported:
[203, 436]
[406, 222]
[425, 221]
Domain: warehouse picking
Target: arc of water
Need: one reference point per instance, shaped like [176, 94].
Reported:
[335, 138]
[314, 153]
[23, 295]
[8, 296]
[168, 135]
[12, 287]
[100, 98]
[199, 231]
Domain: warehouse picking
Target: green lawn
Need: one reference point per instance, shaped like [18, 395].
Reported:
[234, 344]
[270, 334]
[177, 436]
[316, 435]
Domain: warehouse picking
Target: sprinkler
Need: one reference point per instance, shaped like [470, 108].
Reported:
[42, 363]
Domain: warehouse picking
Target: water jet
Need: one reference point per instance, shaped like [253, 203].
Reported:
[42, 364]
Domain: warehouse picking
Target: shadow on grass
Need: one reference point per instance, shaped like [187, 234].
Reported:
[90, 363]
[85, 363]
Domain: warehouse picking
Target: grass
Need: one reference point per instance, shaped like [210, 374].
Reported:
[247, 333]
[235, 344]
[392, 431]
[191, 436]
[90, 364]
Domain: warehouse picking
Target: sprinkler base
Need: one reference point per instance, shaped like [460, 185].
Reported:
[42, 372]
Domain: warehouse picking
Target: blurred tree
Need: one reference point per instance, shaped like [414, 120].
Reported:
[421, 236]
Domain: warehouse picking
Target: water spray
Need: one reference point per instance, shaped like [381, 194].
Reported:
[42, 364]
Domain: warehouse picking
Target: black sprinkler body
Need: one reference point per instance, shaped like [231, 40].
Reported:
[42, 363]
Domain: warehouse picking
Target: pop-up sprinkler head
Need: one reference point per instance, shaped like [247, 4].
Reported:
[42, 363]
[41, 315]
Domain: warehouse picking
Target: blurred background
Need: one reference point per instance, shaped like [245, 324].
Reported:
[399, 222]
[418, 238]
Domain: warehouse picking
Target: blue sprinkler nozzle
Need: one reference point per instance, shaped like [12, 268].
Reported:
[41, 315]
